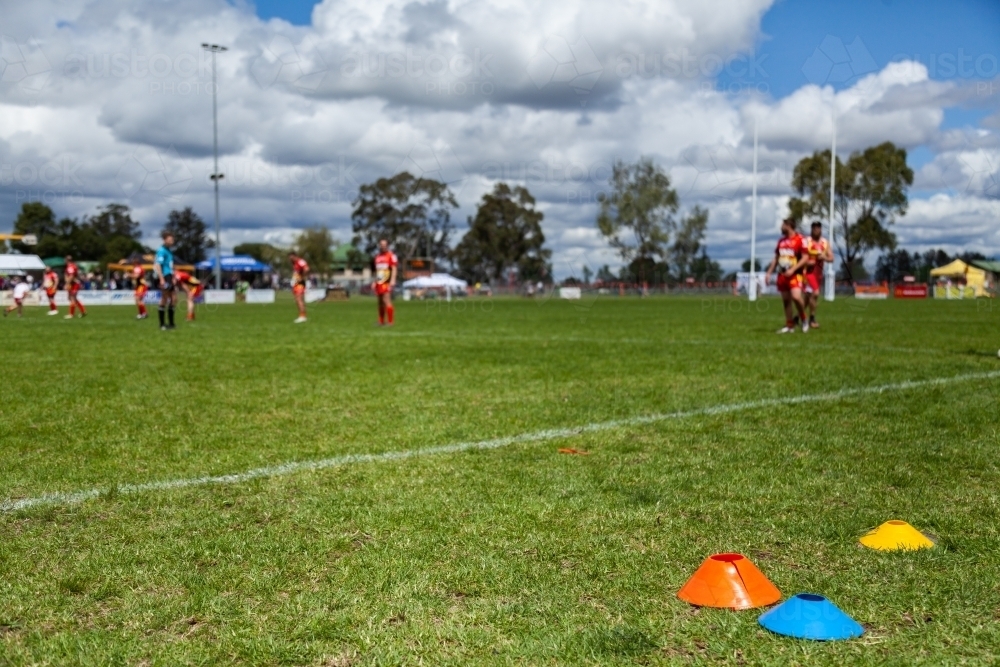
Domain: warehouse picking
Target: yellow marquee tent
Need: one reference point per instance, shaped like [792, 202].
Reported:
[959, 270]
[992, 269]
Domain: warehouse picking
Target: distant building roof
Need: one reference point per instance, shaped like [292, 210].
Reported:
[342, 252]
[342, 257]
[992, 266]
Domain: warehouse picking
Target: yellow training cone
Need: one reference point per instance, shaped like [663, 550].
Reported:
[896, 536]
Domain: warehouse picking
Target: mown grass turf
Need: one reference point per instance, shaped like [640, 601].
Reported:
[517, 555]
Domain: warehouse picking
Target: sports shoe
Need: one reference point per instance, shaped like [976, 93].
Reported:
[786, 330]
[814, 324]
[141, 316]
[163, 327]
[52, 312]
[68, 317]
[805, 326]
[299, 320]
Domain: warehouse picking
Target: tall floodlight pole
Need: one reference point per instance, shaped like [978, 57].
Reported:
[752, 284]
[831, 275]
[216, 176]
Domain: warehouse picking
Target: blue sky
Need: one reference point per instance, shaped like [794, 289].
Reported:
[296, 12]
[922, 30]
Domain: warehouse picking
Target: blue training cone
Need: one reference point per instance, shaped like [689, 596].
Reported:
[809, 616]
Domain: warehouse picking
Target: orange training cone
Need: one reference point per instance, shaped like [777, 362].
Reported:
[730, 581]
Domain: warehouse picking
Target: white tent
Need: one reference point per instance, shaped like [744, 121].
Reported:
[18, 264]
[438, 280]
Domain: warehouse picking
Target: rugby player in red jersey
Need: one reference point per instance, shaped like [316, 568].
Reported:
[71, 275]
[300, 269]
[789, 259]
[818, 253]
[192, 288]
[50, 281]
[385, 279]
[139, 278]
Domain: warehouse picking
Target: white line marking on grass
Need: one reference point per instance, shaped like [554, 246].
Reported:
[292, 467]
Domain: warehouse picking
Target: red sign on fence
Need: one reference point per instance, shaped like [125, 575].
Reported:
[910, 292]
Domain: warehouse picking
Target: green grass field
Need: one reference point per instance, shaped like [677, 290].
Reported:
[510, 554]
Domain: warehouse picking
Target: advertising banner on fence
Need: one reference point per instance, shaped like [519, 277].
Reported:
[910, 292]
[954, 291]
[87, 298]
[314, 295]
[121, 298]
[33, 298]
[94, 297]
[112, 298]
[219, 296]
[153, 297]
[743, 282]
[871, 291]
[260, 296]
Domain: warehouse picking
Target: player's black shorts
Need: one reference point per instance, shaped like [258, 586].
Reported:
[169, 282]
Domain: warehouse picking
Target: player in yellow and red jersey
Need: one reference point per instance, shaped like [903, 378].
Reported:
[71, 275]
[141, 287]
[50, 282]
[300, 270]
[818, 253]
[385, 279]
[790, 259]
[192, 288]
